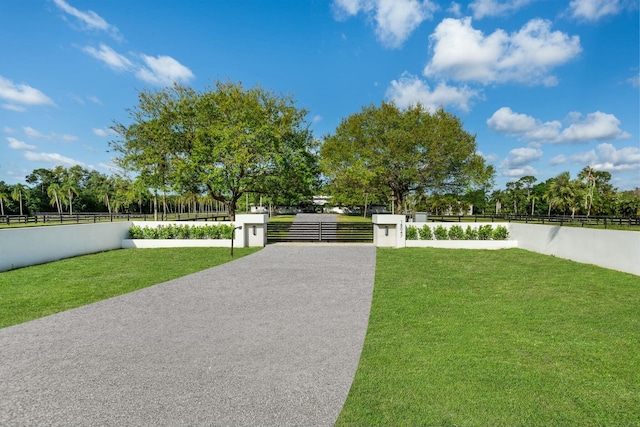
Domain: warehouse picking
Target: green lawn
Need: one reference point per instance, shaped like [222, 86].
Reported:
[37, 291]
[497, 338]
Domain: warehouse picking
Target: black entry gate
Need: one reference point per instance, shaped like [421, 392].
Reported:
[319, 232]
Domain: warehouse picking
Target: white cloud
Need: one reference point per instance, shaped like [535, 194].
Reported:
[22, 95]
[163, 70]
[32, 133]
[519, 172]
[68, 138]
[19, 145]
[596, 126]
[482, 8]
[409, 90]
[455, 9]
[7, 129]
[519, 157]
[13, 107]
[490, 158]
[89, 19]
[594, 10]
[608, 158]
[109, 56]
[54, 158]
[102, 132]
[463, 53]
[558, 160]
[634, 81]
[395, 20]
[94, 99]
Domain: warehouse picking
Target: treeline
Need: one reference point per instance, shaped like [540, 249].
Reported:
[76, 190]
[590, 193]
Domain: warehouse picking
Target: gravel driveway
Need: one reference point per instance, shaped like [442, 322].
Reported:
[269, 339]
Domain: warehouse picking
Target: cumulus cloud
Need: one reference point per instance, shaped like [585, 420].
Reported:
[409, 90]
[395, 20]
[463, 53]
[163, 70]
[595, 126]
[516, 163]
[157, 70]
[19, 145]
[54, 158]
[594, 10]
[483, 8]
[109, 56]
[89, 20]
[519, 157]
[21, 95]
[607, 157]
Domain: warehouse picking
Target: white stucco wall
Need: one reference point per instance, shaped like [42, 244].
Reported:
[615, 249]
[21, 247]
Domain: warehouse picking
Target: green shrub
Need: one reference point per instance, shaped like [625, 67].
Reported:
[183, 232]
[500, 233]
[412, 233]
[135, 232]
[198, 233]
[456, 232]
[471, 233]
[425, 233]
[170, 231]
[485, 232]
[441, 233]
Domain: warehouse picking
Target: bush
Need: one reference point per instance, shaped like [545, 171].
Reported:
[441, 233]
[425, 233]
[170, 231]
[485, 232]
[412, 233]
[500, 233]
[135, 232]
[471, 233]
[456, 232]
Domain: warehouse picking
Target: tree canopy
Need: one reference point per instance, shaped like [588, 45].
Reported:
[387, 152]
[226, 141]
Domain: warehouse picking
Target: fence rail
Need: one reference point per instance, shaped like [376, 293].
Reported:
[581, 220]
[53, 217]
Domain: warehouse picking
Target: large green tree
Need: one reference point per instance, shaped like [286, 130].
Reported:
[391, 153]
[226, 141]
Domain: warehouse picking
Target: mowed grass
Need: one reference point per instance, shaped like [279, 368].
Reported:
[40, 290]
[497, 338]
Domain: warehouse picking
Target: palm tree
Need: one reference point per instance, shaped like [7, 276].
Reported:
[70, 190]
[16, 194]
[3, 199]
[52, 191]
[588, 175]
[562, 192]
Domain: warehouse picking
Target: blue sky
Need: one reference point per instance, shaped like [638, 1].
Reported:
[546, 85]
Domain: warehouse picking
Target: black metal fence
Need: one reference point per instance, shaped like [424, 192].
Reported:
[50, 218]
[319, 232]
[576, 220]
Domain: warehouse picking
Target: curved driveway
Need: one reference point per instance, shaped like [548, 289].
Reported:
[269, 339]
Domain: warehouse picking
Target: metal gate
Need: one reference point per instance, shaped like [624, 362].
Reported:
[319, 232]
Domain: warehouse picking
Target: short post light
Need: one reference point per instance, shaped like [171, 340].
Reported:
[233, 237]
